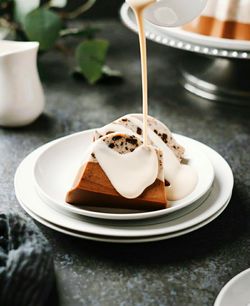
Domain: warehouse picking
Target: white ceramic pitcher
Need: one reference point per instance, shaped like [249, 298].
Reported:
[21, 93]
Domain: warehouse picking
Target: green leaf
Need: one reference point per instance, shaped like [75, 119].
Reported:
[23, 8]
[43, 26]
[90, 57]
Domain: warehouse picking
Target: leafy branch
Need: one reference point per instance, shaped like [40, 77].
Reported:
[48, 24]
[79, 11]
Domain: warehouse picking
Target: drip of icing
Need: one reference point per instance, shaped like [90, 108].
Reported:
[183, 183]
[127, 172]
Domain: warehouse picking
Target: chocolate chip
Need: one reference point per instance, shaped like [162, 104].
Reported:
[125, 120]
[139, 131]
[164, 137]
[167, 183]
[111, 145]
[109, 132]
[115, 138]
[93, 155]
[132, 140]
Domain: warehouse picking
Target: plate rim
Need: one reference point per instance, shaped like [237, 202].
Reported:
[107, 239]
[113, 216]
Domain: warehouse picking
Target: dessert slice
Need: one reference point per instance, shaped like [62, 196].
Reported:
[120, 172]
[133, 123]
[160, 137]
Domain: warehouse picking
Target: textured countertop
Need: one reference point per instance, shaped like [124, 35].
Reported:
[189, 270]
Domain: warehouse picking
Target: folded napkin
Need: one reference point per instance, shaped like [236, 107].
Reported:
[26, 264]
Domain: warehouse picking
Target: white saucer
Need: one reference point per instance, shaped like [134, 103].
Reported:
[219, 196]
[236, 292]
[124, 240]
[57, 165]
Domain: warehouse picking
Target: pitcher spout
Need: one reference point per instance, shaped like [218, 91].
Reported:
[8, 47]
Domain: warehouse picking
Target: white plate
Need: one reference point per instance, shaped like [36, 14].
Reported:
[236, 292]
[56, 168]
[124, 240]
[145, 221]
[220, 193]
[194, 38]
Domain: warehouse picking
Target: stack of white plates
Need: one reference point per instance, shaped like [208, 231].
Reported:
[44, 177]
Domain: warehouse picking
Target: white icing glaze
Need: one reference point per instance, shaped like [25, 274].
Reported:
[183, 183]
[183, 178]
[127, 172]
[171, 163]
[232, 10]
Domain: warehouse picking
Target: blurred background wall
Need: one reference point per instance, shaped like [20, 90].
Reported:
[102, 9]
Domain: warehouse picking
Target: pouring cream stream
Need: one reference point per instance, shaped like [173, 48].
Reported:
[138, 7]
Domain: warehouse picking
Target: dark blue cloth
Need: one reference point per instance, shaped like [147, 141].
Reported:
[26, 263]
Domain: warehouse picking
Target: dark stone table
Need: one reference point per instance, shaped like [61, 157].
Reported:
[189, 270]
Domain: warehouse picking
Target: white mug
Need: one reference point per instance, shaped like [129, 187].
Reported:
[21, 93]
[174, 13]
